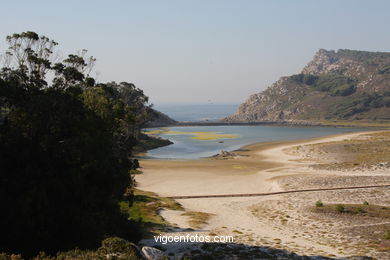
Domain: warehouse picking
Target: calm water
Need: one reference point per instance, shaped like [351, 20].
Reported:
[185, 147]
[197, 112]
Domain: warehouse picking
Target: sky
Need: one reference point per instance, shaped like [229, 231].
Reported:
[201, 51]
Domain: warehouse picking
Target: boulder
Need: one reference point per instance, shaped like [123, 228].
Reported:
[151, 253]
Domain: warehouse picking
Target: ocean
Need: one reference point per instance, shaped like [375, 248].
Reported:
[197, 112]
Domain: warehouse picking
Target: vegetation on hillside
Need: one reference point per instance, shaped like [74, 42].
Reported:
[335, 85]
[148, 142]
[145, 210]
[65, 150]
[110, 248]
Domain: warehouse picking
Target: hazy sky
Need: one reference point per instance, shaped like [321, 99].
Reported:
[195, 51]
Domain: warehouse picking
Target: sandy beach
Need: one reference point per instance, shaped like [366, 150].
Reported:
[286, 222]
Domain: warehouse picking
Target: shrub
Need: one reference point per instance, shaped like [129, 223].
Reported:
[384, 70]
[319, 204]
[387, 236]
[116, 245]
[335, 84]
[340, 208]
[365, 203]
[360, 210]
[4, 256]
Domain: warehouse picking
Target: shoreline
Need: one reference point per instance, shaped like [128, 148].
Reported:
[250, 159]
[263, 167]
[299, 123]
[143, 155]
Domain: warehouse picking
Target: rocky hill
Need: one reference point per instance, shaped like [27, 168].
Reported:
[335, 85]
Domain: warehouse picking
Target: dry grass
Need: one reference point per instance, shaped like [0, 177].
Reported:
[376, 211]
[370, 151]
[197, 219]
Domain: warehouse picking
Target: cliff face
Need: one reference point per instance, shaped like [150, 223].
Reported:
[341, 84]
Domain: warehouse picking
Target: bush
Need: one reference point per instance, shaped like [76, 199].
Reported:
[4, 256]
[384, 70]
[340, 208]
[365, 203]
[343, 90]
[319, 204]
[111, 248]
[335, 84]
[387, 236]
[116, 245]
[360, 210]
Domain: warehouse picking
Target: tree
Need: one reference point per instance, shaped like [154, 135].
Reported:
[65, 150]
[30, 53]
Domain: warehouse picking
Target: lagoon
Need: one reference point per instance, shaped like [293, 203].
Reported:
[194, 142]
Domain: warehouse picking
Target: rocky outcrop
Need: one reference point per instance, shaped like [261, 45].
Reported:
[151, 253]
[341, 84]
[269, 105]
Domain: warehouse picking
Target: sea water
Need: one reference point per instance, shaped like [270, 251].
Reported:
[186, 147]
[197, 112]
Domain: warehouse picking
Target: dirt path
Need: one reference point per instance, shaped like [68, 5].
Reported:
[275, 193]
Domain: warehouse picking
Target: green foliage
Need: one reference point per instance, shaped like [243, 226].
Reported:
[5, 256]
[111, 248]
[384, 70]
[365, 203]
[387, 236]
[307, 79]
[116, 245]
[360, 210]
[319, 203]
[146, 207]
[65, 151]
[343, 90]
[334, 84]
[340, 208]
[358, 103]
[146, 142]
[363, 56]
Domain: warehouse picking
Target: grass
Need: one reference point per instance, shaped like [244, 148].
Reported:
[355, 209]
[340, 208]
[111, 248]
[145, 209]
[197, 219]
[374, 150]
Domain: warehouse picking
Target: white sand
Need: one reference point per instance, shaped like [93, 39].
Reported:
[240, 175]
